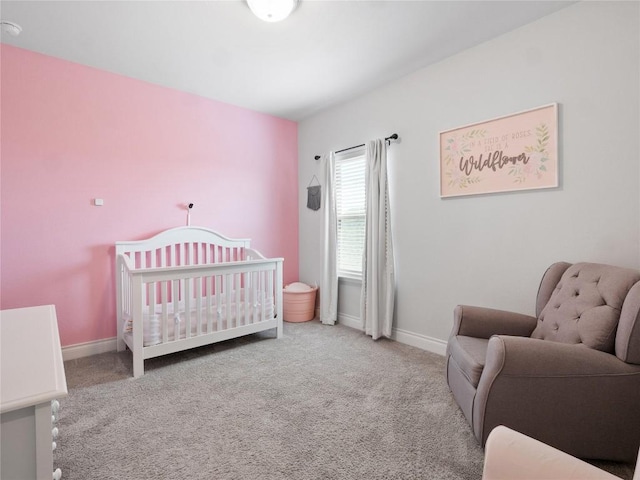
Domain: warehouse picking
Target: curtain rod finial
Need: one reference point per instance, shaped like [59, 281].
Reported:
[391, 137]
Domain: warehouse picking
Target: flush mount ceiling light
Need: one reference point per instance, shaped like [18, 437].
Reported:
[272, 10]
[11, 28]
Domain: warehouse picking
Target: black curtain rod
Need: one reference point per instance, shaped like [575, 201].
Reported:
[393, 136]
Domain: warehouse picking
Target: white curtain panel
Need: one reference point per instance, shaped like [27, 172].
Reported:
[378, 272]
[329, 232]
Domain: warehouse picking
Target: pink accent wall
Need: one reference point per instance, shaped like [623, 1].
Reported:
[72, 133]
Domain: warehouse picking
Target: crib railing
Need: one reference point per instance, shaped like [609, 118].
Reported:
[184, 253]
[218, 298]
[190, 286]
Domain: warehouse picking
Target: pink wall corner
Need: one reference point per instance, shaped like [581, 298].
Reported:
[72, 133]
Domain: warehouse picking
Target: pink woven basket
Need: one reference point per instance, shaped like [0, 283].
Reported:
[299, 302]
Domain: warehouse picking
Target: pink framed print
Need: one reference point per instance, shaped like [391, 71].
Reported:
[514, 152]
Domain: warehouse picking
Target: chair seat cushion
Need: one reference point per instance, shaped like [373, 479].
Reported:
[469, 353]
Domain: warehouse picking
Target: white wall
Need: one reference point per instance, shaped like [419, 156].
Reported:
[491, 250]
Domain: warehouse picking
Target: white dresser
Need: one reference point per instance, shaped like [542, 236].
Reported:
[31, 378]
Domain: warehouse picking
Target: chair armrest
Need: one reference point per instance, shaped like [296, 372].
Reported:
[533, 358]
[551, 391]
[510, 455]
[483, 322]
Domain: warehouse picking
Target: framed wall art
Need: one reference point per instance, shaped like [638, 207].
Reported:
[514, 152]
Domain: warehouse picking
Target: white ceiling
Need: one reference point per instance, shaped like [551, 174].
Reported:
[325, 53]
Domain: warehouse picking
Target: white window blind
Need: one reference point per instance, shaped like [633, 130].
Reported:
[350, 205]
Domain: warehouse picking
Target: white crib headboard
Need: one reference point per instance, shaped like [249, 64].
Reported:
[183, 246]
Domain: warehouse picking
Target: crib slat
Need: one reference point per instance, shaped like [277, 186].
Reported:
[151, 294]
[249, 294]
[187, 306]
[236, 300]
[175, 295]
[269, 290]
[228, 300]
[245, 279]
[260, 296]
[237, 290]
[260, 289]
[165, 311]
[151, 311]
[254, 300]
[198, 281]
[209, 287]
[163, 257]
[217, 298]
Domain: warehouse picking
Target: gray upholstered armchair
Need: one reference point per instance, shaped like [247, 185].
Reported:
[569, 377]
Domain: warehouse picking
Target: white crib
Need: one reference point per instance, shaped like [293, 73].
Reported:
[190, 286]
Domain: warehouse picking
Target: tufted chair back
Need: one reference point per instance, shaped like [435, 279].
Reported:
[591, 304]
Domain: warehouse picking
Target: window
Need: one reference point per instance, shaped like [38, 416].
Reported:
[350, 206]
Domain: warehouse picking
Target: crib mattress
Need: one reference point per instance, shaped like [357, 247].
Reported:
[218, 317]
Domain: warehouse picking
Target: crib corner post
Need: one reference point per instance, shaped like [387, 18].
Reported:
[120, 345]
[138, 366]
[280, 327]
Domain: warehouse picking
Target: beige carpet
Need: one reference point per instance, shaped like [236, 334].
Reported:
[321, 403]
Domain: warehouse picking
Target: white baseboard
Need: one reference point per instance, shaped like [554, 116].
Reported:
[423, 342]
[430, 344]
[87, 349]
[350, 321]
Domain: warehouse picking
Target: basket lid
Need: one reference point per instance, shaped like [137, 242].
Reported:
[298, 287]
